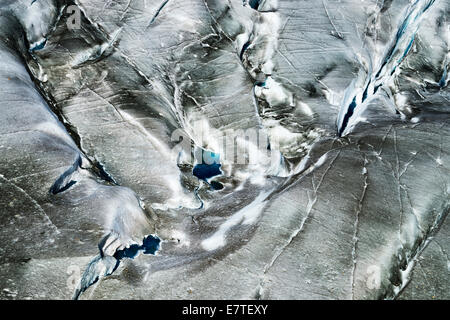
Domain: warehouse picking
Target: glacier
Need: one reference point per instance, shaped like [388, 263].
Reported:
[224, 149]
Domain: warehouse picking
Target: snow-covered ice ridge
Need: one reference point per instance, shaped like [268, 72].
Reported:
[217, 149]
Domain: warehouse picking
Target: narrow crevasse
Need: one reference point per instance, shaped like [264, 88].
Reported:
[356, 99]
